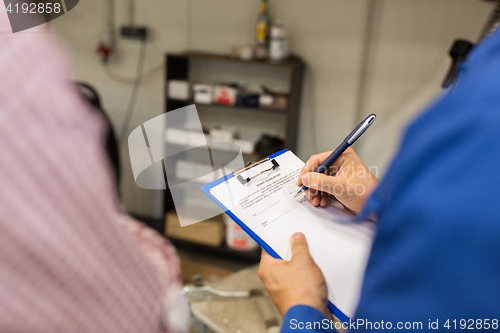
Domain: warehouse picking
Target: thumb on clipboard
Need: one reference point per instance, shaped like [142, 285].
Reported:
[295, 282]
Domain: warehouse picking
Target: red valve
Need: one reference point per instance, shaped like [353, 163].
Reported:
[104, 52]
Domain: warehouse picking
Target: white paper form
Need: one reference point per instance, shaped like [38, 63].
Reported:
[339, 246]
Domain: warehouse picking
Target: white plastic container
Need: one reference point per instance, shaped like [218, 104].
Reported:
[178, 89]
[237, 238]
[223, 134]
[203, 93]
[278, 48]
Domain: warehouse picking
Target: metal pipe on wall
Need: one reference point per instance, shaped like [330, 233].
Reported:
[368, 42]
[111, 24]
[131, 12]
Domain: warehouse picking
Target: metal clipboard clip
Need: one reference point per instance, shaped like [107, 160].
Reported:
[250, 165]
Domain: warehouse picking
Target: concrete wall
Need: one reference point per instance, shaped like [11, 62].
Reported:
[407, 61]
[408, 64]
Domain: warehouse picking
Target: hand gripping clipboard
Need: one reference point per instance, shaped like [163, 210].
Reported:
[339, 245]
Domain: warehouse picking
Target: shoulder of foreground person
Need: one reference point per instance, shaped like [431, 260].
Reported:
[435, 256]
[70, 260]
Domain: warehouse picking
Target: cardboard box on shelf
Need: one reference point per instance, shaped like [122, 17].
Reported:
[277, 102]
[209, 232]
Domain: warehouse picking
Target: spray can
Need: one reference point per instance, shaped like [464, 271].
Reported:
[278, 49]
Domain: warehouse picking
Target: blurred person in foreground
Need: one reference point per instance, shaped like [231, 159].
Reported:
[70, 259]
[436, 255]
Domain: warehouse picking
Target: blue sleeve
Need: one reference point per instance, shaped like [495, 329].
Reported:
[435, 257]
[303, 318]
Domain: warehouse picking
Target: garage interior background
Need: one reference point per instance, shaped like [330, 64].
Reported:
[387, 57]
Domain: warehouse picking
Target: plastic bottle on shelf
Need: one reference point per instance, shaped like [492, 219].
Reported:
[262, 31]
[237, 238]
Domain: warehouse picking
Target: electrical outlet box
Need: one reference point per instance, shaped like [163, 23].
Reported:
[135, 32]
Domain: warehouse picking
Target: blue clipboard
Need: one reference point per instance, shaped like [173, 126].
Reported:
[206, 188]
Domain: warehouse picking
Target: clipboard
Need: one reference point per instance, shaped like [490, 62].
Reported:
[206, 188]
[267, 165]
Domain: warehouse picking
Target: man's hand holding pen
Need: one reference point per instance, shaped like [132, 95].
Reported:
[348, 180]
[300, 281]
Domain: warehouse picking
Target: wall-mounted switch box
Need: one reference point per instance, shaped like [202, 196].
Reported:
[135, 32]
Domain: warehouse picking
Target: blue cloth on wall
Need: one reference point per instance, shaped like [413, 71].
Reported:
[436, 255]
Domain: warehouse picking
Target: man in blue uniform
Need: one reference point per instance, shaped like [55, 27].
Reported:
[436, 257]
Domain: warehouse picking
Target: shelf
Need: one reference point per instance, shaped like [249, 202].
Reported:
[179, 67]
[250, 108]
[220, 251]
[280, 111]
[252, 155]
[292, 61]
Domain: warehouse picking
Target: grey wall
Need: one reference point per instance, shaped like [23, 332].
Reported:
[407, 61]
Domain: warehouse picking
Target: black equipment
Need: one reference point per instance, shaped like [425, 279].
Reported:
[112, 147]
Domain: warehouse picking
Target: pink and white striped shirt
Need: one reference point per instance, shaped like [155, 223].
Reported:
[70, 260]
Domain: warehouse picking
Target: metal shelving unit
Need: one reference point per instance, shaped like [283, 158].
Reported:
[178, 67]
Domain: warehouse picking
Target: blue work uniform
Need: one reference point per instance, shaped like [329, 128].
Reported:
[436, 256]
